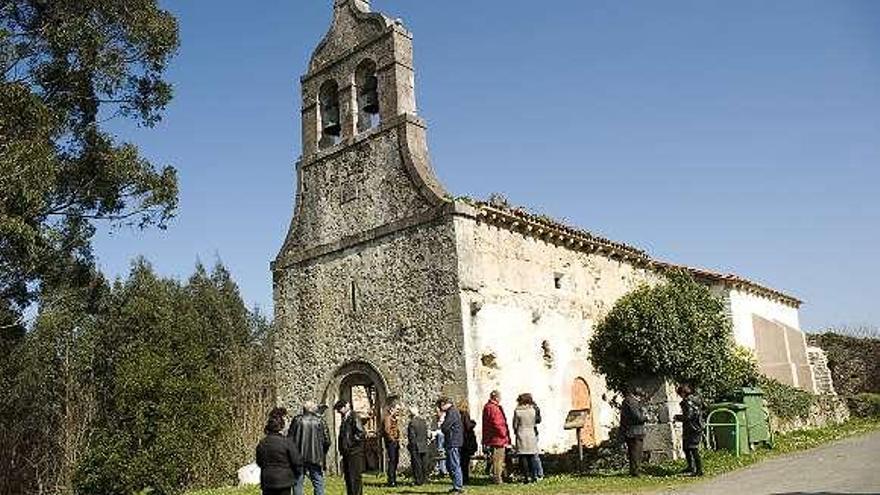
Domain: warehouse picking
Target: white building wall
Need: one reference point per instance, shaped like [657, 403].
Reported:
[744, 305]
[511, 306]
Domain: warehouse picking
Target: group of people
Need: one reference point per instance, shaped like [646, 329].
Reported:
[286, 460]
[632, 428]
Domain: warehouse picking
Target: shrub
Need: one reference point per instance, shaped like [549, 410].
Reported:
[786, 402]
[864, 405]
[677, 331]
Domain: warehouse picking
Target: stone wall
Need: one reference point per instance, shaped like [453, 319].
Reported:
[528, 310]
[353, 190]
[826, 410]
[391, 304]
[821, 372]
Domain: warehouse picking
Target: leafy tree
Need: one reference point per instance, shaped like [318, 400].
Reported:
[157, 393]
[67, 67]
[46, 395]
[180, 382]
[677, 331]
[236, 342]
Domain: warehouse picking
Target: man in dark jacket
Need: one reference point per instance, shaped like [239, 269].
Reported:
[277, 458]
[417, 443]
[351, 446]
[691, 418]
[632, 428]
[453, 434]
[311, 437]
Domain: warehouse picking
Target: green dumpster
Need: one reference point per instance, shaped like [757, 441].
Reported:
[727, 427]
[758, 417]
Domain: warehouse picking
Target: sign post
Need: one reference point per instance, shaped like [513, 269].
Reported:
[576, 420]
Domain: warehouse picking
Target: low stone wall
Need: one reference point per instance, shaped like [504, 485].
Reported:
[827, 410]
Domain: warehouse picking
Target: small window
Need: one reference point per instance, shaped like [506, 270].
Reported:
[558, 280]
[368, 95]
[331, 125]
[547, 354]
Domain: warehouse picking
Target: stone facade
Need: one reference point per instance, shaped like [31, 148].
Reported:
[385, 286]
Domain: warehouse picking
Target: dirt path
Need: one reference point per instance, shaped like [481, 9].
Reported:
[849, 466]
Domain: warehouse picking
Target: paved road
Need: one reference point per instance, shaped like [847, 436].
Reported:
[849, 466]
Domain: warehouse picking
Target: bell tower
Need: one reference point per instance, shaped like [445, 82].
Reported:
[366, 284]
[364, 160]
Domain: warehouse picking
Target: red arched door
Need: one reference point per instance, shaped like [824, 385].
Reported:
[580, 399]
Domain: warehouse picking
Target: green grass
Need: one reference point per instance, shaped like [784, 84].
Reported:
[658, 477]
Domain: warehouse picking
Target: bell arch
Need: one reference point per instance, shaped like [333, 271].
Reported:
[367, 82]
[330, 117]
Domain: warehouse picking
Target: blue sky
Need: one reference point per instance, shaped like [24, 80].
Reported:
[739, 135]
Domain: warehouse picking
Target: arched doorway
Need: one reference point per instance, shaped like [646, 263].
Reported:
[580, 399]
[360, 384]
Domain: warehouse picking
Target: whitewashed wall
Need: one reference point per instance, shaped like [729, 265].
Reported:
[744, 305]
[510, 306]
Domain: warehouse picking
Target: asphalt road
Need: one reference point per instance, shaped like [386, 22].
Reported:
[850, 466]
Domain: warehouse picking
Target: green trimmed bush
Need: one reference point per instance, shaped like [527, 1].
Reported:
[677, 331]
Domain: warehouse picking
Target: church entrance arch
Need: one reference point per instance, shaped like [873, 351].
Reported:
[580, 399]
[361, 385]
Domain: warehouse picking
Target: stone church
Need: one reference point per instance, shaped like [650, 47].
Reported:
[386, 286]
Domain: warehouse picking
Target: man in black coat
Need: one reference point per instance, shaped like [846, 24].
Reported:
[311, 437]
[453, 436]
[691, 418]
[351, 446]
[417, 443]
[277, 458]
[632, 428]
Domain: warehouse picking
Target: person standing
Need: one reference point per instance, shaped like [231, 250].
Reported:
[632, 427]
[391, 434]
[453, 434]
[470, 441]
[496, 436]
[277, 458]
[351, 446]
[417, 443]
[525, 428]
[311, 437]
[539, 466]
[691, 418]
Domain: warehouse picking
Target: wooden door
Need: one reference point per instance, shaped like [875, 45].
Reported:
[580, 399]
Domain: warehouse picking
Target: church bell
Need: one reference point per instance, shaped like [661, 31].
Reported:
[330, 112]
[370, 95]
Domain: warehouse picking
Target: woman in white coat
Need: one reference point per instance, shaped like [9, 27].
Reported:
[525, 427]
